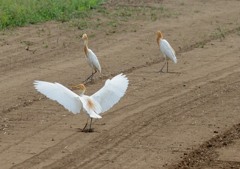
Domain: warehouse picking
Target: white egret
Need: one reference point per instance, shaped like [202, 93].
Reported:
[91, 58]
[166, 49]
[93, 105]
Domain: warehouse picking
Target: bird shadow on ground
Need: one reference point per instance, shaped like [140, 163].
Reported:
[85, 131]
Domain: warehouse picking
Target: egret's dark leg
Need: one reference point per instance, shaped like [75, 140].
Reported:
[85, 125]
[90, 129]
[167, 65]
[93, 74]
[90, 77]
[163, 65]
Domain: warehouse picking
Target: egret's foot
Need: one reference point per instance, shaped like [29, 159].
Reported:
[85, 130]
[90, 130]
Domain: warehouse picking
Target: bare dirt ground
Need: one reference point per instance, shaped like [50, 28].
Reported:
[188, 118]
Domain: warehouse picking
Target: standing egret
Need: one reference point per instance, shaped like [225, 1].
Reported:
[166, 50]
[91, 58]
[93, 105]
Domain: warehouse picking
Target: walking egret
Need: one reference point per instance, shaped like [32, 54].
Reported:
[166, 49]
[93, 105]
[91, 58]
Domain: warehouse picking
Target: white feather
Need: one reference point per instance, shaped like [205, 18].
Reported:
[61, 94]
[93, 110]
[111, 92]
[93, 60]
[167, 50]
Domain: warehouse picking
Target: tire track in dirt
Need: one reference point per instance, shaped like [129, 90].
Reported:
[205, 155]
[32, 134]
[12, 62]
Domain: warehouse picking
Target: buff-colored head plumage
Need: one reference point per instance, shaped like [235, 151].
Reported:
[84, 36]
[80, 87]
[85, 39]
[159, 36]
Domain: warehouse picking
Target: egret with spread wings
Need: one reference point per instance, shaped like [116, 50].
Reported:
[166, 49]
[101, 101]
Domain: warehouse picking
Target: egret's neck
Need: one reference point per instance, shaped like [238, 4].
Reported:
[85, 47]
[158, 40]
[159, 37]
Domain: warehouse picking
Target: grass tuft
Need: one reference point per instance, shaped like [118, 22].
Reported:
[21, 12]
[220, 33]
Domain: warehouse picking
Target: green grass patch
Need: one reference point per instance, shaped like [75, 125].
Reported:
[21, 12]
[219, 33]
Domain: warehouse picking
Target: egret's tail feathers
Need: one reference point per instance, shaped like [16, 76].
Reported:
[95, 115]
[175, 59]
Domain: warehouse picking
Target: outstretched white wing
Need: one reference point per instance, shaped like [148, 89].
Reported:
[167, 50]
[61, 94]
[111, 92]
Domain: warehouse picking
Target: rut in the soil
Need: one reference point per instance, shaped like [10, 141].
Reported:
[206, 154]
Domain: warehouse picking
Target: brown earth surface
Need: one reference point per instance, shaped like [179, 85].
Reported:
[188, 118]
